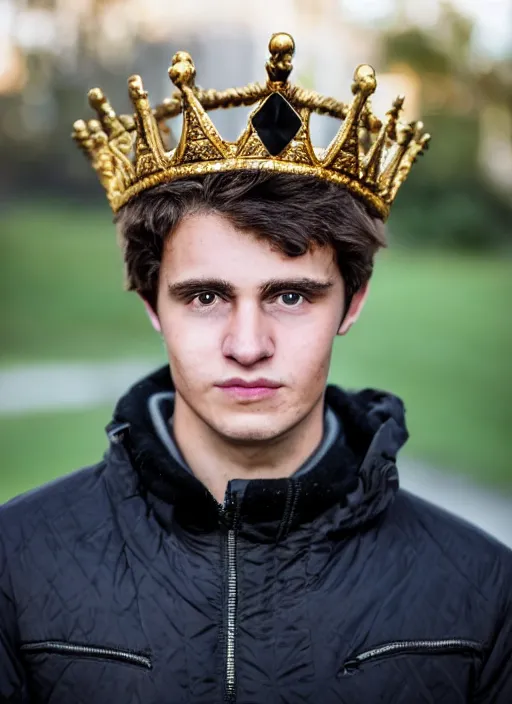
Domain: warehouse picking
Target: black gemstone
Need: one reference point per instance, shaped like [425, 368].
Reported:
[276, 123]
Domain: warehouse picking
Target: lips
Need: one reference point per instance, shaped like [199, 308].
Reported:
[246, 384]
[249, 390]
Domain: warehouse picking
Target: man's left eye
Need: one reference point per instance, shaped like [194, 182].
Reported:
[291, 298]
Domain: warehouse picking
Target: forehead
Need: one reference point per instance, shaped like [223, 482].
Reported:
[209, 245]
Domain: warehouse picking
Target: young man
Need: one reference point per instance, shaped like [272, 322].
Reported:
[245, 539]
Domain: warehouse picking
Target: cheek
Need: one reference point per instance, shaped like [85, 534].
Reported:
[190, 349]
[307, 356]
[311, 338]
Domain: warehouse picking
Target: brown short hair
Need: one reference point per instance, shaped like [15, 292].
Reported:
[294, 213]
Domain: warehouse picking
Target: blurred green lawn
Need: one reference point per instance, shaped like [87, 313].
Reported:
[436, 331]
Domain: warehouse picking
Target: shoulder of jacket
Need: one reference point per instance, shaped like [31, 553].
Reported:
[451, 543]
[51, 504]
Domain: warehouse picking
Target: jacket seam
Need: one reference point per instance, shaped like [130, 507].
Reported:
[292, 496]
[501, 619]
[459, 571]
[286, 512]
[297, 488]
[125, 549]
[12, 595]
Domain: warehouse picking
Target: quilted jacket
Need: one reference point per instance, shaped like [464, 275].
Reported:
[126, 583]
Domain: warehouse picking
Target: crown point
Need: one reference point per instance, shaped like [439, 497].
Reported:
[96, 97]
[281, 43]
[405, 134]
[180, 56]
[398, 104]
[282, 48]
[182, 71]
[136, 87]
[425, 141]
[364, 79]
[364, 70]
[98, 101]
[79, 126]
[418, 128]
[127, 122]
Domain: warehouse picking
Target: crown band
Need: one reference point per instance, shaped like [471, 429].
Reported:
[357, 189]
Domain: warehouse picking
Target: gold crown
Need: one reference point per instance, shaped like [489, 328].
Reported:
[369, 157]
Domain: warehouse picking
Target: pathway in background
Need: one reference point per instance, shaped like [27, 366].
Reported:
[53, 387]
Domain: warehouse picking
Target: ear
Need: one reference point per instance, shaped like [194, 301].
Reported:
[356, 306]
[153, 317]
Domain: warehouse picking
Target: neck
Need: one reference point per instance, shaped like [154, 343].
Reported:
[215, 459]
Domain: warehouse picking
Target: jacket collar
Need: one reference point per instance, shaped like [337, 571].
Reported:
[353, 483]
[161, 410]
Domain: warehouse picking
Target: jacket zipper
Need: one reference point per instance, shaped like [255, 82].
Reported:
[230, 693]
[227, 517]
[412, 646]
[90, 651]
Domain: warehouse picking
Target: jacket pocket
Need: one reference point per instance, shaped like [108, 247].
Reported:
[412, 647]
[77, 650]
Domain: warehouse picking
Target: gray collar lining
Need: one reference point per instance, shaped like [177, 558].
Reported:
[163, 428]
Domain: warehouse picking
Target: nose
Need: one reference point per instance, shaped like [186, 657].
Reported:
[248, 338]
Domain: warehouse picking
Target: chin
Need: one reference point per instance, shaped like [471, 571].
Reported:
[258, 428]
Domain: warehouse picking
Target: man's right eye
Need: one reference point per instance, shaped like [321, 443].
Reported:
[207, 298]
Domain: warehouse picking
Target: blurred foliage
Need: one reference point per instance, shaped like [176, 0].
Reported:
[416, 49]
[449, 202]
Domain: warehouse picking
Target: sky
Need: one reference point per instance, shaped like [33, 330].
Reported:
[493, 18]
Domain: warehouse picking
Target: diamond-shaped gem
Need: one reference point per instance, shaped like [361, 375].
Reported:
[276, 123]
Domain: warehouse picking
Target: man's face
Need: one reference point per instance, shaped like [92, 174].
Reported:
[248, 330]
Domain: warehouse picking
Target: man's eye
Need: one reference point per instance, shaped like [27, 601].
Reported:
[291, 298]
[206, 298]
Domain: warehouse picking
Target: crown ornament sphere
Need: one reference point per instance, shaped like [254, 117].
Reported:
[370, 157]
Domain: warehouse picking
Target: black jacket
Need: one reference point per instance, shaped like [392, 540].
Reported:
[127, 583]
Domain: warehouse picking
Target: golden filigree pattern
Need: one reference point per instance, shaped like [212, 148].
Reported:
[299, 149]
[253, 148]
[297, 152]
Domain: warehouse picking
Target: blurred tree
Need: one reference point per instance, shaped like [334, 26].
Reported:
[449, 201]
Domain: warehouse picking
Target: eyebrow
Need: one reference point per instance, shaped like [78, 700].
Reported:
[313, 287]
[191, 287]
